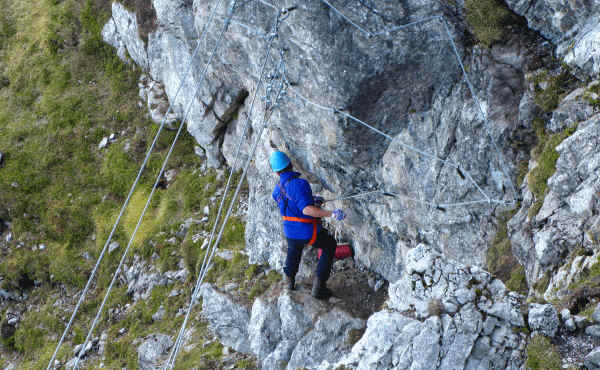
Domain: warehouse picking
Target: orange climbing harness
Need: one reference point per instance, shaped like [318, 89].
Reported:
[314, 221]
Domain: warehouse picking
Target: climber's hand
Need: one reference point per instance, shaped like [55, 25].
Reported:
[318, 200]
[338, 214]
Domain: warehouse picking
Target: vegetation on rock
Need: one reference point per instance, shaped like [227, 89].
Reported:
[542, 355]
[489, 20]
[500, 259]
[63, 91]
[545, 154]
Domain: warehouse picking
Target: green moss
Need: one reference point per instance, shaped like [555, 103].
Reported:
[489, 20]
[500, 260]
[556, 87]
[542, 284]
[546, 156]
[518, 280]
[541, 354]
[246, 364]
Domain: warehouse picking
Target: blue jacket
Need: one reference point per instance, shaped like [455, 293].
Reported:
[299, 195]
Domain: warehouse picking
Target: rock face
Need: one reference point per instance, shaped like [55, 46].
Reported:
[592, 360]
[227, 319]
[442, 217]
[573, 26]
[439, 315]
[292, 329]
[543, 318]
[442, 316]
[408, 84]
[568, 218]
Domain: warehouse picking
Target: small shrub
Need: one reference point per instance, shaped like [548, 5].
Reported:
[557, 87]
[488, 19]
[542, 355]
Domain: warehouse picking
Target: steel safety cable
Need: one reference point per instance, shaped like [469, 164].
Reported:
[266, 119]
[280, 17]
[228, 184]
[475, 98]
[202, 77]
[481, 112]
[390, 138]
[128, 198]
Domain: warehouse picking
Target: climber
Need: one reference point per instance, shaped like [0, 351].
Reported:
[302, 223]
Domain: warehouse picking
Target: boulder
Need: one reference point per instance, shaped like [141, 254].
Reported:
[593, 330]
[592, 360]
[543, 318]
[154, 351]
[227, 319]
[596, 314]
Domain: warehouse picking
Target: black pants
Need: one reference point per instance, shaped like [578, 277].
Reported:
[324, 241]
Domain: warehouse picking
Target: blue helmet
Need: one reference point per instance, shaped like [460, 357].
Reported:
[279, 161]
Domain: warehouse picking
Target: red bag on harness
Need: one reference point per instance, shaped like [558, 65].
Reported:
[342, 251]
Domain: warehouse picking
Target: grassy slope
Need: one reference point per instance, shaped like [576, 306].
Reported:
[63, 90]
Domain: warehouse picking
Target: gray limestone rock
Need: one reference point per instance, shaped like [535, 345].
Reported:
[159, 314]
[141, 277]
[572, 26]
[569, 212]
[570, 324]
[543, 318]
[327, 341]
[593, 330]
[112, 246]
[592, 360]
[424, 104]
[581, 321]
[574, 108]
[227, 319]
[395, 339]
[153, 351]
[293, 329]
[596, 314]
[103, 143]
[153, 94]
[121, 31]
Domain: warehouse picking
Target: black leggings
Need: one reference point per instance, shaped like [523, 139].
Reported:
[324, 241]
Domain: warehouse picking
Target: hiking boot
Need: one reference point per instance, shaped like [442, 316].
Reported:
[319, 290]
[291, 283]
